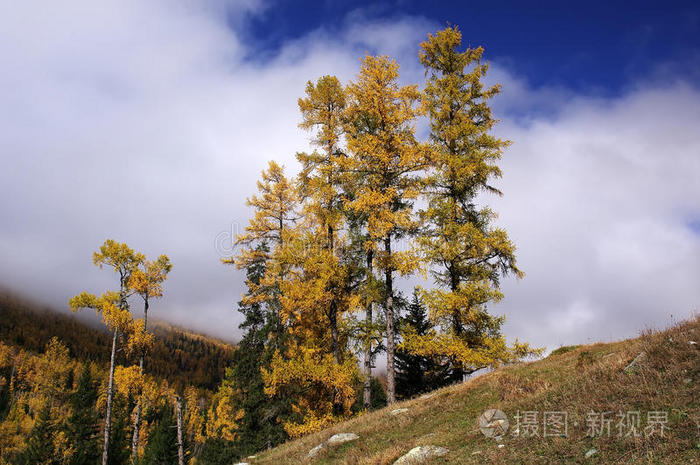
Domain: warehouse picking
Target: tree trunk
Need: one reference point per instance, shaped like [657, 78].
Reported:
[367, 388]
[333, 310]
[138, 408]
[110, 393]
[458, 371]
[180, 448]
[389, 281]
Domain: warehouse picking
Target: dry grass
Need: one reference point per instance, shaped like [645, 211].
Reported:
[585, 379]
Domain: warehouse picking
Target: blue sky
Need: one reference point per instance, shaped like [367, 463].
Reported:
[149, 123]
[596, 47]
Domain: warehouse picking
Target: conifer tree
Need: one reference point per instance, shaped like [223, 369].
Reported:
[274, 211]
[416, 374]
[321, 179]
[82, 428]
[259, 428]
[162, 445]
[467, 255]
[40, 448]
[385, 159]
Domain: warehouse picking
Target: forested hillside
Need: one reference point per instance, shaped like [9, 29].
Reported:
[179, 356]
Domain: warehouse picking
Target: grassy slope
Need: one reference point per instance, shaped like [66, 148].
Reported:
[588, 378]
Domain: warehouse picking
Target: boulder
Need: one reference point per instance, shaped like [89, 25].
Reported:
[421, 454]
[398, 411]
[334, 440]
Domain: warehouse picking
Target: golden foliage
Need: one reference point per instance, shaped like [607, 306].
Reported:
[322, 390]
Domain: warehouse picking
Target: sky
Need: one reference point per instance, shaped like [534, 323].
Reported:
[149, 123]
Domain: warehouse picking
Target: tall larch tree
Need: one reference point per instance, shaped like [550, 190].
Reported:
[114, 309]
[274, 211]
[321, 178]
[466, 254]
[147, 282]
[385, 158]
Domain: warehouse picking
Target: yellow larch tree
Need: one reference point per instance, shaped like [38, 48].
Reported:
[385, 160]
[466, 254]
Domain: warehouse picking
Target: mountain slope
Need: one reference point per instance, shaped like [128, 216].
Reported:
[585, 382]
[181, 357]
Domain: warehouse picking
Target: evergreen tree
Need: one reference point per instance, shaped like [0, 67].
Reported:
[40, 445]
[82, 429]
[161, 448]
[259, 428]
[416, 374]
[118, 451]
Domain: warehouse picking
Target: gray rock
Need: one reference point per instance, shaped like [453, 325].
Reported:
[316, 450]
[398, 411]
[341, 438]
[334, 440]
[590, 453]
[421, 454]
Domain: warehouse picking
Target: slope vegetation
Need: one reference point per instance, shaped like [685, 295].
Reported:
[592, 384]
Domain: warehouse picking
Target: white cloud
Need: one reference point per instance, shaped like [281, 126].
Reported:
[149, 122]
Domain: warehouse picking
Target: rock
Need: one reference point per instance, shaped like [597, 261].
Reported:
[241, 463]
[428, 395]
[693, 343]
[590, 453]
[501, 446]
[251, 457]
[631, 368]
[341, 438]
[398, 411]
[687, 380]
[421, 454]
[316, 450]
[333, 441]
[476, 452]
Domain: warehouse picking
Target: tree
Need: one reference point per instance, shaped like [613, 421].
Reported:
[114, 309]
[162, 448]
[147, 282]
[466, 254]
[258, 428]
[385, 160]
[321, 179]
[274, 211]
[40, 449]
[82, 428]
[416, 374]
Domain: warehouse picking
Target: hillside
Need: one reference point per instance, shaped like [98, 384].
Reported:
[181, 357]
[578, 381]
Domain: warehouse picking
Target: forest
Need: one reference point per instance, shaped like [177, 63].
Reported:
[324, 254]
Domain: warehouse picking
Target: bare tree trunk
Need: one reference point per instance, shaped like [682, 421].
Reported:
[138, 408]
[180, 448]
[110, 393]
[367, 388]
[390, 345]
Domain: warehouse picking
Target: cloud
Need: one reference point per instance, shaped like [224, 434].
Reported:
[149, 122]
[598, 201]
